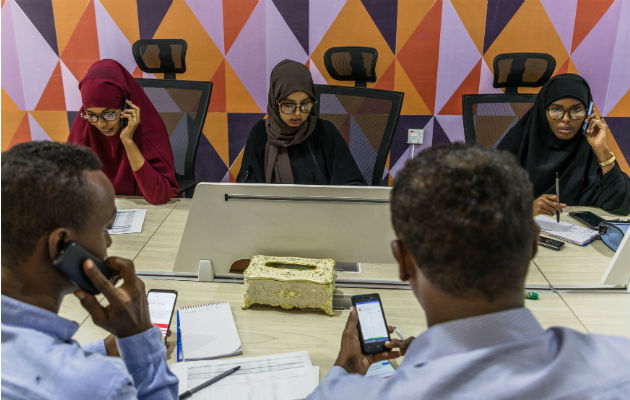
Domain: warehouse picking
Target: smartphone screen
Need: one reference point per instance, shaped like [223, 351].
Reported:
[161, 307]
[372, 324]
[588, 218]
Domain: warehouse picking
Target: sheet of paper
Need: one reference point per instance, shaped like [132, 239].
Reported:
[277, 376]
[128, 221]
[383, 369]
[566, 231]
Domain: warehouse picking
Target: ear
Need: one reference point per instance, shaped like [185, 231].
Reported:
[56, 240]
[535, 244]
[406, 263]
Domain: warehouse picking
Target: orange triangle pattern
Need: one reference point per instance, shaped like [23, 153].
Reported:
[23, 132]
[53, 97]
[470, 85]
[215, 129]
[54, 123]
[217, 98]
[587, 14]
[11, 121]
[66, 19]
[386, 82]
[237, 98]
[82, 48]
[127, 21]
[622, 107]
[473, 15]
[235, 15]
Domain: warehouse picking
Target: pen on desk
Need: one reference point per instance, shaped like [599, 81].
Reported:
[531, 295]
[217, 378]
[399, 333]
[557, 196]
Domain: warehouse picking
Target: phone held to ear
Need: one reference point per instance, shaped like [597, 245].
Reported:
[70, 262]
[588, 112]
[550, 243]
[161, 308]
[372, 325]
[124, 121]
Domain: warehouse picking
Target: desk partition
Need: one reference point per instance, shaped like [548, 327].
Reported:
[229, 221]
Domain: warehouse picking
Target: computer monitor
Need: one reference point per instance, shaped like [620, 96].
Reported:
[231, 221]
[618, 271]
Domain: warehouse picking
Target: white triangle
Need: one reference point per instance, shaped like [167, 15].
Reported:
[37, 132]
[70, 89]
[112, 42]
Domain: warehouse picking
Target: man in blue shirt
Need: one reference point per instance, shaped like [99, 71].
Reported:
[53, 193]
[465, 235]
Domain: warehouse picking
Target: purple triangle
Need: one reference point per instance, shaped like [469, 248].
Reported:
[208, 165]
[150, 16]
[295, 13]
[72, 116]
[399, 141]
[439, 136]
[384, 14]
[620, 129]
[498, 15]
[239, 126]
[40, 13]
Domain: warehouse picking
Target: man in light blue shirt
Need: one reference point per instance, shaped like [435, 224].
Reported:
[52, 194]
[465, 235]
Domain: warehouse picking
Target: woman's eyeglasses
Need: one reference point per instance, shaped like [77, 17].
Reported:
[557, 113]
[289, 108]
[108, 116]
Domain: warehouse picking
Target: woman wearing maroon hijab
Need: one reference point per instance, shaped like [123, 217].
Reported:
[136, 156]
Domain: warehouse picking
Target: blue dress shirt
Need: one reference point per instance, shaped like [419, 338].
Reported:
[504, 355]
[40, 360]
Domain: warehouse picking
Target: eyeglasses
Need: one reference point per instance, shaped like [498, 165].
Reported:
[557, 113]
[289, 108]
[107, 116]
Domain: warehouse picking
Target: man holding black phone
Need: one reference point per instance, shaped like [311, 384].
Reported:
[55, 194]
[465, 236]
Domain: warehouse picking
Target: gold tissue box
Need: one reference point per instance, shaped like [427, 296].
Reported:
[290, 282]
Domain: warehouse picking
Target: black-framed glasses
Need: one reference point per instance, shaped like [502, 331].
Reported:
[108, 116]
[289, 108]
[557, 113]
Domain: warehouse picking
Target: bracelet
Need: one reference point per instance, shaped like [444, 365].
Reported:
[609, 161]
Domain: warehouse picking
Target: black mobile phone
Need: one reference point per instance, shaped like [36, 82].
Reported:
[550, 243]
[70, 260]
[124, 121]
[587, 218]
[372, 326]
[161, 308]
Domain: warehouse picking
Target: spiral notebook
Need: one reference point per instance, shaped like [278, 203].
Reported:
[208, 331]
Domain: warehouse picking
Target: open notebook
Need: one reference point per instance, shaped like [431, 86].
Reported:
[566, 231]
[208, 331]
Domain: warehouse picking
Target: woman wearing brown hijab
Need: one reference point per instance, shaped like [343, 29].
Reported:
[293, 146]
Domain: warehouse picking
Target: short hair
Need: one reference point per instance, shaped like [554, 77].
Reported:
[465, 214]
[43, 188]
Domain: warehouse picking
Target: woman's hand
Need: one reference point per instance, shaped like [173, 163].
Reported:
[132, 114]
[596, 137]
[547, 204]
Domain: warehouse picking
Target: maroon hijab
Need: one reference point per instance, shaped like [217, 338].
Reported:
[287, 77]
[108, 84]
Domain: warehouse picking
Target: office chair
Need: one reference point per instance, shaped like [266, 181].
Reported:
[167, 56]
[366, 118]
[182, 106]
[352, 64]
[488, 117]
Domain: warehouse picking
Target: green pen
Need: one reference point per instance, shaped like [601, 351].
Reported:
[531, 295]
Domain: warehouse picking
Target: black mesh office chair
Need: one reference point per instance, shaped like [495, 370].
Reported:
[167, 56]
[182, 106]
[366, 118]
[488, 117]
[352, 64]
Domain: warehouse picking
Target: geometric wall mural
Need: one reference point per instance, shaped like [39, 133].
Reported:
[433, 51]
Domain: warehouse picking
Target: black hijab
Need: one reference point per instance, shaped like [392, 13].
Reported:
[541, 153]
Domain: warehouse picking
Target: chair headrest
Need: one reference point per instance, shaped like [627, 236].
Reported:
[352, 64]
[166, 56]
[513, 70]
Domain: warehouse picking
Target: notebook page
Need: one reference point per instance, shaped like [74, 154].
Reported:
[566, 231]
[208, 331]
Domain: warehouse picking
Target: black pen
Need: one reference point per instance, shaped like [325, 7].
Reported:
[557, 196]
[217, 378]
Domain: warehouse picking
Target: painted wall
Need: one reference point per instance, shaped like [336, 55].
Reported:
[434, 51]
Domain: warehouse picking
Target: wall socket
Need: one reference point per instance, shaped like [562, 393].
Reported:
[415, 136]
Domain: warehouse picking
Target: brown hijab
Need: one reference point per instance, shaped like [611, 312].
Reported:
[287, 77]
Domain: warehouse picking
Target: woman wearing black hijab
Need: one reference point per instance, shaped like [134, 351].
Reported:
[549, 139]
[292, 145]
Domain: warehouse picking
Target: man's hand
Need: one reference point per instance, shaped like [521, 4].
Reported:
[547, 204]
[128, 312]
[350, 356]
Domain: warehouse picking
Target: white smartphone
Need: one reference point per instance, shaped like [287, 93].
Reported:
[161, 308]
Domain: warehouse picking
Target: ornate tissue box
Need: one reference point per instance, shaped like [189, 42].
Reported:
[290, 282]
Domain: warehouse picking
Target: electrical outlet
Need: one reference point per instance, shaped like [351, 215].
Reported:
[415, 136]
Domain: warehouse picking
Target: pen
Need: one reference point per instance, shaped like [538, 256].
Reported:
[557, 196]
[531, 295]
[217, 378]
[399, 333]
